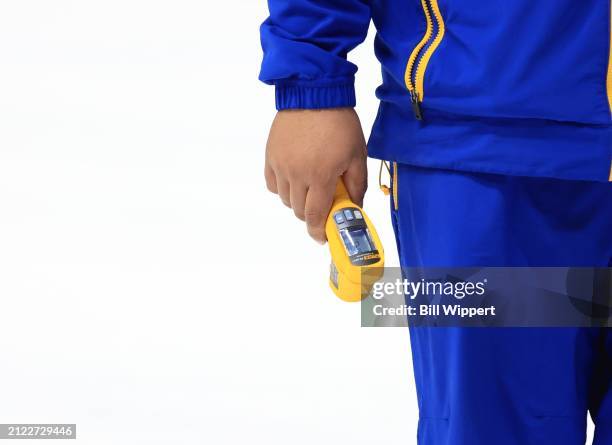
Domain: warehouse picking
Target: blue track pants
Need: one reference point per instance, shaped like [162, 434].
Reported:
[507, 386]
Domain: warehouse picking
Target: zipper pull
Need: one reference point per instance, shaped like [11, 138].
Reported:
[416, 105]
[384, 188]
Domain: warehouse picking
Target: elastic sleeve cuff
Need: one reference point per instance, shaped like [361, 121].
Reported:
[311, 96]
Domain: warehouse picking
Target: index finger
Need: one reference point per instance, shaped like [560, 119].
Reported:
[318, 203]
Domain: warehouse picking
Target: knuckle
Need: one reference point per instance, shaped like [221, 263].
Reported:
[321, 175]
[317, 170]
[314, 217]
[299, 214]
[271, 187]
[294, 171]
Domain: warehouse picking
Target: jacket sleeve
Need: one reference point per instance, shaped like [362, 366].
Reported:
[305, 45]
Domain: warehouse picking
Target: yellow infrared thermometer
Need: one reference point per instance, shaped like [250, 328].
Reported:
[357, 256]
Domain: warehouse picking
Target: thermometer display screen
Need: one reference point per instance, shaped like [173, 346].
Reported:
[357, 241]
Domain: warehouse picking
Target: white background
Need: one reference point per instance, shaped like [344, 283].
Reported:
[135, 300]
[151, 290]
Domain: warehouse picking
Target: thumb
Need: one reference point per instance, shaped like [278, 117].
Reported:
[356, 179]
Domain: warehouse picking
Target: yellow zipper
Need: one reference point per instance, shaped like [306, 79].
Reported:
[609, 78]
[395, 200]
[419, 58]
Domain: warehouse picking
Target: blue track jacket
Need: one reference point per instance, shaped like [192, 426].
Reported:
[520, 87]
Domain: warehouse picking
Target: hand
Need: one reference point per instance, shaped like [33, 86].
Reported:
[307, 151]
